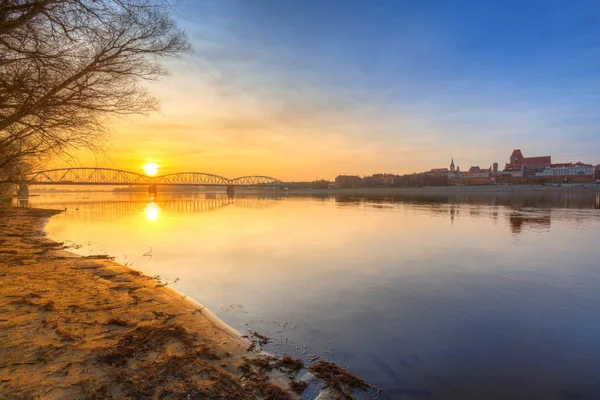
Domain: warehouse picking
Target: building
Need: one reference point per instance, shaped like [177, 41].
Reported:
[520, 166]
[477, 173]
[597, 173]
[542, 162]
[513, 171]
[578, 169]
[561, 165]
[454, 172]
[348, 181]
[439, 171]
[522, 169]
[474, 176]
[379, 180]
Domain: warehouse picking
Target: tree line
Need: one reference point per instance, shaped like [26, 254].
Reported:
[392, 180]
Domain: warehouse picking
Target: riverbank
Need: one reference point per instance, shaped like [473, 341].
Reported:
[490, 189]
[88, 327]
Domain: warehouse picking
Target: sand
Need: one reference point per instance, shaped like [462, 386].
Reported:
[88, 327]
[73, 327]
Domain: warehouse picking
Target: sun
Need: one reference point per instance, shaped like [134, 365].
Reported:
[150, 168]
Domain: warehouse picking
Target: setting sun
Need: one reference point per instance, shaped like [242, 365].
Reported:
[150, 168]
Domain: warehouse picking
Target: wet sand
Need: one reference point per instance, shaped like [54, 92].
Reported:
[88, 327]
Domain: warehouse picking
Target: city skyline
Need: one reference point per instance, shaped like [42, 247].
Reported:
[158, 169]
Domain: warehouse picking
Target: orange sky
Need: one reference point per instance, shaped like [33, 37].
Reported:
[234, 136]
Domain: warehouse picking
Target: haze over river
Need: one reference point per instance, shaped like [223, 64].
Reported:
[478, 296]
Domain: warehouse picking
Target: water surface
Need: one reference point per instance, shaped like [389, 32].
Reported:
[434, 296]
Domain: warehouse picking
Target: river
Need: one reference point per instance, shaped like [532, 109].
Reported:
[490, 296]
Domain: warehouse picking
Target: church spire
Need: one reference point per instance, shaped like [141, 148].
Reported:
[452, 165]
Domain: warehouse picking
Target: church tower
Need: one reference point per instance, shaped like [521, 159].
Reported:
[452, 165]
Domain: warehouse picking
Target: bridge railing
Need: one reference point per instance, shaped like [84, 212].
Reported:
[191, 178]
[255, 181]
[88, 176]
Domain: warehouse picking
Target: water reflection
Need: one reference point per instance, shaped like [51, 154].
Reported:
[111, 207]
[152, 212]
[522, 211]
[518, 221]
[539, 199]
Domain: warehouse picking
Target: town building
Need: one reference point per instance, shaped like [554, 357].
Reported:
[519, 166]
[520, 169]
[379, 180]
[513, 171]
[348, 181]
[474, 176]
[476, 173]
[439, 171]
[578, 169]
[454, 172]
[561, 165]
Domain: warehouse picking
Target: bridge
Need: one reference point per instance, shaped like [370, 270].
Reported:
[109, 176]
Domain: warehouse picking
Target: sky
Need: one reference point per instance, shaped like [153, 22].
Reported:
[309, 89]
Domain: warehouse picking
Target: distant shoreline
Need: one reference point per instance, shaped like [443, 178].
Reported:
[452, 189]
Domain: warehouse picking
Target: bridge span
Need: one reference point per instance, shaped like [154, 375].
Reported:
[110, 176]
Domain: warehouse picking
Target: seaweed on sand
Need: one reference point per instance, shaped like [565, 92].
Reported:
[298, 387]
[341, 383]
[186, 375]
[142, 340]
[167, 362]
[284, 364]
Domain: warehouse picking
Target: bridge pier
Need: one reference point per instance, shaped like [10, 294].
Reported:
[152, 189]
[23, 191]
[230, 190]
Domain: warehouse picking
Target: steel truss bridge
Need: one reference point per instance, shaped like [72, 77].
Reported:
[109, 176]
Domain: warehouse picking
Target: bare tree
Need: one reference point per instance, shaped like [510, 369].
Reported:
[66, 66]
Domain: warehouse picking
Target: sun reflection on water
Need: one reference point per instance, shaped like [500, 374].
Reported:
[152, 211]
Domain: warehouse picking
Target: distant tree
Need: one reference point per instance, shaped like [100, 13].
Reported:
[320, 184]
[12, 171]
[66, 66]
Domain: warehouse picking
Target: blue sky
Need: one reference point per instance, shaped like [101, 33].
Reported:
[394, 86]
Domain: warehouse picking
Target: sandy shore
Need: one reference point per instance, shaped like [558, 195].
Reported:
[73, 327]
[88, 327]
